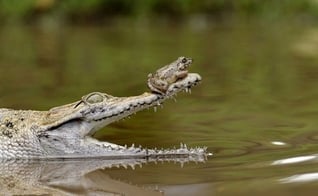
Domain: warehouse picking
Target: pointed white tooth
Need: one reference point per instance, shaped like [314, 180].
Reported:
[155, 109]
[186, 90]
[189, 89]
[158, 103]
[175, 100]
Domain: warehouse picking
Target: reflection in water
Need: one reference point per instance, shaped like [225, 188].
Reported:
[278, 143]
[294, 160]
[78, 177]
[300, 178]
[307, 177]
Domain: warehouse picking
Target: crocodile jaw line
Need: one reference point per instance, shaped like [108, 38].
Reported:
[121, 107]
[65, 131]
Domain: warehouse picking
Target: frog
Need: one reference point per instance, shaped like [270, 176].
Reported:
[160, 81]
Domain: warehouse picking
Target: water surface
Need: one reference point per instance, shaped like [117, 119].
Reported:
[255, 109]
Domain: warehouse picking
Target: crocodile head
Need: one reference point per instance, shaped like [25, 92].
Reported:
[96, 109]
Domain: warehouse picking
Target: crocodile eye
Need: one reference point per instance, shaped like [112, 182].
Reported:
[94, 98]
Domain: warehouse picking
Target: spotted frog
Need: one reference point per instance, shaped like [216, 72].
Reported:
[160, 81]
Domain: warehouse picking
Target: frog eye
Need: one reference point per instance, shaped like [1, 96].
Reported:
[184, 63]
[184, 60]
[94, 98]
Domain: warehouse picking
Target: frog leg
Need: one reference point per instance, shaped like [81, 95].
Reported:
[158, 86]
[181, 74]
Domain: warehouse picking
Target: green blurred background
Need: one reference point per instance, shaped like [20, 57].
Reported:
[94, 11]
[258, 60]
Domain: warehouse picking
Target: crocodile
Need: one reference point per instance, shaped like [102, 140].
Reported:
[67, 131]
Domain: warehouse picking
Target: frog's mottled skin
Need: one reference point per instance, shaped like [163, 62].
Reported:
[169, 74]
[66, 131]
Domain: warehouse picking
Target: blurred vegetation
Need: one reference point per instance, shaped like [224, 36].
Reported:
[101, 10]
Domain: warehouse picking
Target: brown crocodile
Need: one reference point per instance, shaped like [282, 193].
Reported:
[66, 131]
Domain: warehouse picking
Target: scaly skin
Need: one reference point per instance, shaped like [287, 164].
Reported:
[65, 131]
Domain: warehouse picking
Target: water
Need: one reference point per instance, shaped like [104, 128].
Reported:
[255, 109]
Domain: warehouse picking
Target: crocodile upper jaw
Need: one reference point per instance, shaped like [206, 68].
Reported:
[122, 107]
[90, 117]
